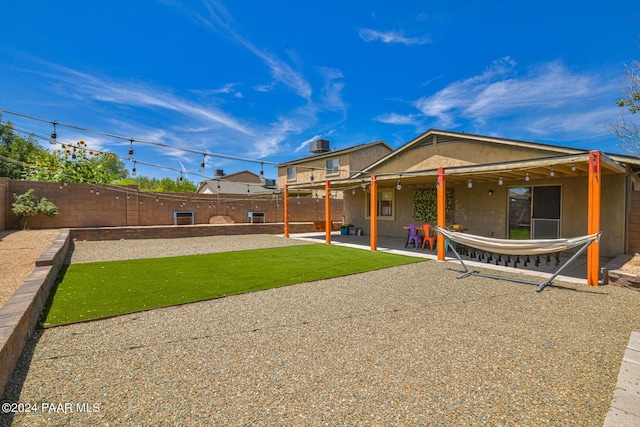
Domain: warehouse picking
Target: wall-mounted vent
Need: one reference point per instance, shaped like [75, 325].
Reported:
[219, 172]
[319, 146]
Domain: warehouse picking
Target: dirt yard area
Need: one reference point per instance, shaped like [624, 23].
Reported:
[632, 266]
[18, 253]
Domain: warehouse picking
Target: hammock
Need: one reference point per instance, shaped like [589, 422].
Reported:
[517, 247]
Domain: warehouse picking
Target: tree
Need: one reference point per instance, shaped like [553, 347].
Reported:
[626, 129]
[27, 205]
[164, 185]
[17, 148]
[75, 163]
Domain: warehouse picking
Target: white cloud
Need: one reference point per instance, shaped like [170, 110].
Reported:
[398, 119]
[391, 37]
[333, 90]
[499, 93]
[280, 70]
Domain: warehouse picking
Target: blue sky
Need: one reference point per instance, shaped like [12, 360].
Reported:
[259, 79]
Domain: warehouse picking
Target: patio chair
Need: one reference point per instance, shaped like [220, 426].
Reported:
[414, 237]
[428, 235]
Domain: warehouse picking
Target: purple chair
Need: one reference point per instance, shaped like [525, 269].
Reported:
[414, 237]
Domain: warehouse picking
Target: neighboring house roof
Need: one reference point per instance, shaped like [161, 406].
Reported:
[220, 186]
[249, 184]
[242, 176]
[334, 153]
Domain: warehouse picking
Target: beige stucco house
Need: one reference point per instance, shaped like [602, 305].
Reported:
[325, 164]
[496, 187]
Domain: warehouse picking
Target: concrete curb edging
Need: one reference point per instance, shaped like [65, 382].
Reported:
[19, 316]
[625, 410]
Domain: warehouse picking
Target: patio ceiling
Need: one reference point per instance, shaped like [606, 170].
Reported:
[571, 165]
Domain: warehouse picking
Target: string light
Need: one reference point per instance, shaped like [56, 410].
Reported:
[552, 172]
[470, 183]
[130, 149]
[399, 186]
[527, 177]
[573, 167]
[500, 180]
[202, 164]
[54, 136]
[133, 171]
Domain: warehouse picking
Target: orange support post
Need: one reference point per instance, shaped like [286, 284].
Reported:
[441, 212]
[593, 218]
[286, 210]
[374, 213]
[327, 211]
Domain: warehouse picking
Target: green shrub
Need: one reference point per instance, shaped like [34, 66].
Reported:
[27, 206]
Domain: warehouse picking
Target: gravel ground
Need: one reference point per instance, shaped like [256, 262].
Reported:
[409, 345]
[18, 253]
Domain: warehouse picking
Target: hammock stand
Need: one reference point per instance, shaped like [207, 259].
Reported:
[517, 247]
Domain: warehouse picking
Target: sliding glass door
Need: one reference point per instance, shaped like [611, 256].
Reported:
[534, 212]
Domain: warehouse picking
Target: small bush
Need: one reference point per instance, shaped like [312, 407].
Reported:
[27, 205]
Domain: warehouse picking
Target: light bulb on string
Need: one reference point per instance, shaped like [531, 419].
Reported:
[470, 183]
[203, 163]
[552, 172]
[130, 149]
[527, 177]
[54, 136]
[573, 167]
[133, 170]
[399, 186]
[500, 180]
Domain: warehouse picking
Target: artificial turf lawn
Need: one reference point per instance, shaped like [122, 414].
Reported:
[103, 289]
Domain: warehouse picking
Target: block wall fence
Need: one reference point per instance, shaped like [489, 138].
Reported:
[634, 222]
[84, 205]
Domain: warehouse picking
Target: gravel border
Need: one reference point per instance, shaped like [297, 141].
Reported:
[409, 345]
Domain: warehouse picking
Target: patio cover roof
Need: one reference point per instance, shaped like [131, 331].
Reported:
[564, 165]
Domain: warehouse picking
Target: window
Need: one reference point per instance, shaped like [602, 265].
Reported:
[385, 204]
[333, 166]
[291, 173]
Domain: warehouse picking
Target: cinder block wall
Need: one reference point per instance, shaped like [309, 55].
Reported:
[634, 222]
[84, 205]
[4, 201]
